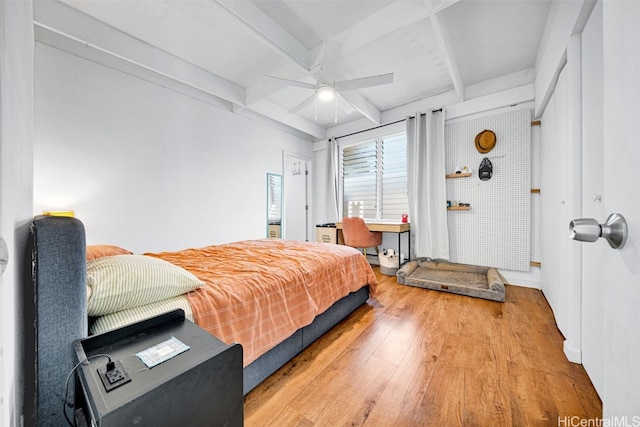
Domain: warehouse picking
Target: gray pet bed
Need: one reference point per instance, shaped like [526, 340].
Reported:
[463, 279]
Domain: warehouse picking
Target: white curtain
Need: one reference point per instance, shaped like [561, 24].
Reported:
[427, 186]
[333, 181]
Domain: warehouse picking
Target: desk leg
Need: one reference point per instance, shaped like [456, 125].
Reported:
[409, 244]
[399, 249]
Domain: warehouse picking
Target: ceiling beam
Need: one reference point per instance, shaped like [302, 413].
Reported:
[441, 32]
[385, 21]
[443, 4]
[267, 30]
[190, 87]
[65, 28]
[565, 20]
[380, 24]
[396, 15]
[274, 112]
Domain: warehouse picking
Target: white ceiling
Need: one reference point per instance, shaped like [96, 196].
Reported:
[431, 46]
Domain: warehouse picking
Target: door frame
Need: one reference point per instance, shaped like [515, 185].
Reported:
[287, 156]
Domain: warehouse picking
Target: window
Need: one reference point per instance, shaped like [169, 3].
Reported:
[274, 198]
[374, 178]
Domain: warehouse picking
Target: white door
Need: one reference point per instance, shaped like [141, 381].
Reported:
[297, 179]
[592, 199]
[621, 286]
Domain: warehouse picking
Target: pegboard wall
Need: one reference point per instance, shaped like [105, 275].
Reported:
[496, 232]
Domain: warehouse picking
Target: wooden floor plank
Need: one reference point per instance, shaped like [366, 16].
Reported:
[444, 398]
[486, 382]
[401, 402]
[532, 403]
[415, 357]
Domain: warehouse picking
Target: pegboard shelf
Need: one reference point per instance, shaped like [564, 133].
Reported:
[477, 236]
[459, 208]
[458, 175]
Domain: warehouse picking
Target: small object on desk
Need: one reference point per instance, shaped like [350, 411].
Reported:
[405, 218]
[327, 233]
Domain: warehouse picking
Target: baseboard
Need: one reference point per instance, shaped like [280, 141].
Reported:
[527, 279]
[573, 354]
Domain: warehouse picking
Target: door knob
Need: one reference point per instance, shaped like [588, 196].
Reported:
[589, 230]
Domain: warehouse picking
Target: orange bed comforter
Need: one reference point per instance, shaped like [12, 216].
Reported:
[259, 292]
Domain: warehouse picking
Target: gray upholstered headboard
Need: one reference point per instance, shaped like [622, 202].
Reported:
[58, 251]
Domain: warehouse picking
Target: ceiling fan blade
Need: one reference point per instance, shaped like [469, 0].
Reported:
[329, 60]
[345, 106]
[303, 104]
[293, 82]
[363, 106]
[381, 79]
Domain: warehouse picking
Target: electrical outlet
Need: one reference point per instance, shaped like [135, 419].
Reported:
[113, 378]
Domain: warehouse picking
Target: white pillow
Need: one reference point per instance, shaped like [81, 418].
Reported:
[120, 282]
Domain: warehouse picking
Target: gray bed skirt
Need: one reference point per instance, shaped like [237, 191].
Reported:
[265, 365]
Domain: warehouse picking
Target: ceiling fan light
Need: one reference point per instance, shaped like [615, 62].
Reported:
[326, 93]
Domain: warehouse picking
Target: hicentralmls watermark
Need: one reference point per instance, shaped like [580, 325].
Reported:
[576, 421]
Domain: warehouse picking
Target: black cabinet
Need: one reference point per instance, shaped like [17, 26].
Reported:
[201, 386]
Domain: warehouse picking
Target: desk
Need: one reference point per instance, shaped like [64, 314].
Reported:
[390, 227]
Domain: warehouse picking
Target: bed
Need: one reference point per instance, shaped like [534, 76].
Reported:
[270, 334]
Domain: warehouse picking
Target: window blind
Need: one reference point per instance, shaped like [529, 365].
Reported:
[359, 171]
[374, 178]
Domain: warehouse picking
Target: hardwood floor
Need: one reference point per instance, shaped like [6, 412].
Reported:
[415, 357]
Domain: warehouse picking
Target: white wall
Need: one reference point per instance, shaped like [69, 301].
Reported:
[593, 318]
[16, 145]
[559, 102]
[561, 201]
[621, 289]
[553, 233]
[146, 167]
[554, 103]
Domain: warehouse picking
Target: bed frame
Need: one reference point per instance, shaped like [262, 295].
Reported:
[58, 271]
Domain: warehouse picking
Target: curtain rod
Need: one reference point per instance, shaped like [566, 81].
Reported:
[386, 124]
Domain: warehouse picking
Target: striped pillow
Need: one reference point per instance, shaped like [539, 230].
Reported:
[120, 282]
[122, 318]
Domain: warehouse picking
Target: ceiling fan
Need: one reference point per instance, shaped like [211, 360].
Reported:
[326, 88]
